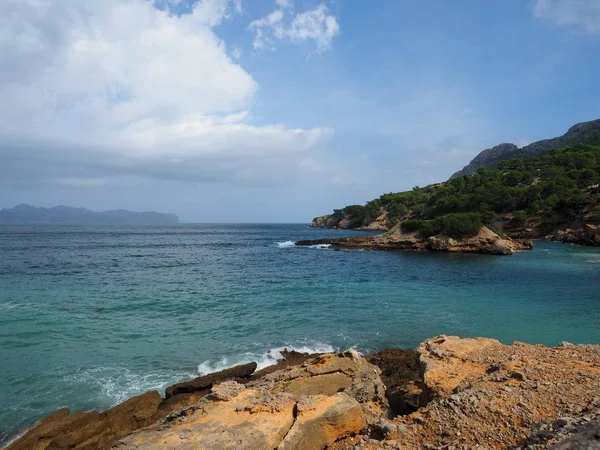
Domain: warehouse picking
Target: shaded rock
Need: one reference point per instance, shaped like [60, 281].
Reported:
[587, 437]
[205, 382]
[91, 430]
[400, 372]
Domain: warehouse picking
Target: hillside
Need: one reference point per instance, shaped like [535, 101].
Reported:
[557, 194]
[582, 133]
[65, 215]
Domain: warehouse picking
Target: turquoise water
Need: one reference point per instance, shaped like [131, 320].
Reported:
[89, 317]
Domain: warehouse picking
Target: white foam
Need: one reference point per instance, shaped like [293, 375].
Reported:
[117, 384]
[290, 244]
[320, 246]
[268, 358]
[286, 244]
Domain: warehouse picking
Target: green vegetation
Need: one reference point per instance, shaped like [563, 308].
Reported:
[455, 225]
[555, 183]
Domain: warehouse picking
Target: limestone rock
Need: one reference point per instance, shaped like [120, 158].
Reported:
[312, 405]
[329, 419]
[445, 355]
[205, 382]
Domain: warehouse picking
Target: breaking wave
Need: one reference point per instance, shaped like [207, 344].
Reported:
[262, 360]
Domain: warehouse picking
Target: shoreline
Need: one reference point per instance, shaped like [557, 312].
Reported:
[409, 385]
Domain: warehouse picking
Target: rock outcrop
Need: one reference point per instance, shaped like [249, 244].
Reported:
[342, 221]
[486, 395]
[486, 241]
[309, 406]
[588, 235]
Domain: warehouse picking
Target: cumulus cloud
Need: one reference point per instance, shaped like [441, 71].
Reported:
[582, 14]
[313, 25]
[121, 86]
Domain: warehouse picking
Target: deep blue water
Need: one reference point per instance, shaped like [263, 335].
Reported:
[91, 316]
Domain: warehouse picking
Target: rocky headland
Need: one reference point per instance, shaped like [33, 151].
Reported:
[451, 393]
[552, 195]
[485, 241]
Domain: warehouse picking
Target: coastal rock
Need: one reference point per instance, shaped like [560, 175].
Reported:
[319, 221]
[205, 382]
[484, 394]
[588, 235]
[90, 430]
[308, 406]
[486, 241]
[445, 362]
[323, 420]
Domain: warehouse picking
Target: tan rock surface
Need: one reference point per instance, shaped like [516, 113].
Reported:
[487, 395]
[486, 241]
[309, 406]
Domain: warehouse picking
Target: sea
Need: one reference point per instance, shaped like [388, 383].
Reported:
[92, 316]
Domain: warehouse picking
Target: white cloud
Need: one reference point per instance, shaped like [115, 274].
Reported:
[584, 14]
[119, 85]
[267, 29]
[312, 25]
[284, 3]
[316, 25]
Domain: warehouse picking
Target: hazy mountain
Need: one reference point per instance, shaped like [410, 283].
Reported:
[66, 215]
[582, 133]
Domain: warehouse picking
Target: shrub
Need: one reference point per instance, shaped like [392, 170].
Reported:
[519, 216]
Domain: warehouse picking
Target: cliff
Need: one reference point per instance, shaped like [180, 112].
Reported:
[581, 133]
[65, 215]
[450, 393]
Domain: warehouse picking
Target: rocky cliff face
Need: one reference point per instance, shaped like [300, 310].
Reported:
[451, 393]
[340, 220]
[486, 241]
[582, 133]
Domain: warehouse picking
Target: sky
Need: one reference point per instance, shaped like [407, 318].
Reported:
[277, 110]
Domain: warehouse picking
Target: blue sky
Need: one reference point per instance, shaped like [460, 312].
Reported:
[277, 110]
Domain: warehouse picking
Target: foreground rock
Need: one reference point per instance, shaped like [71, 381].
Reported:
[486, 395]
[486, 241]
[308, 406]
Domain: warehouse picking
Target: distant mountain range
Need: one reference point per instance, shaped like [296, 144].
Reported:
[582, 133]
[66, 215]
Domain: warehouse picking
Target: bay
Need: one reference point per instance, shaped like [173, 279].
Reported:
[92, 316]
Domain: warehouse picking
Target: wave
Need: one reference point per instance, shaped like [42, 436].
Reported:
[290, 244]
[268, 358]
[112, 385]
[286, 244]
